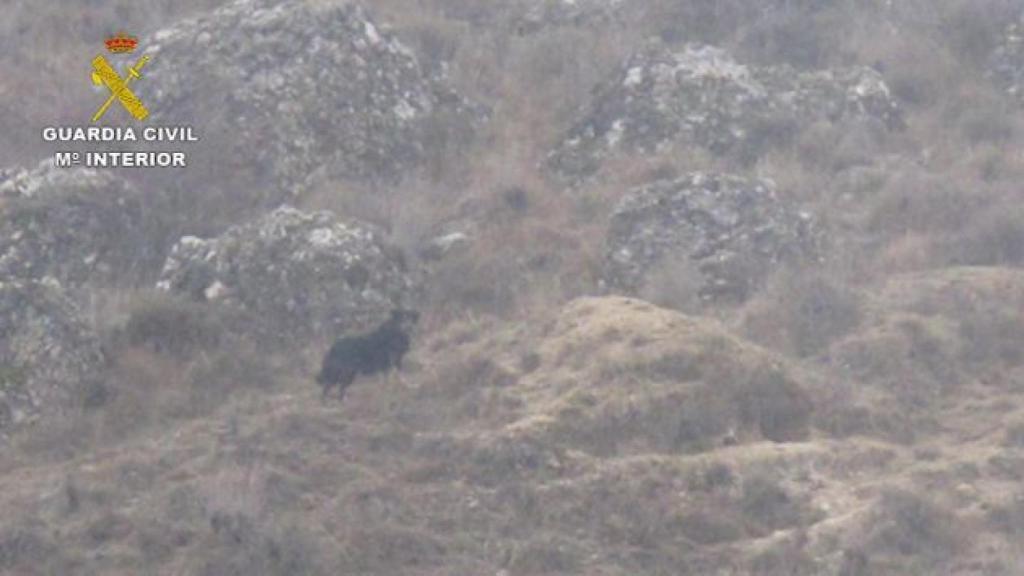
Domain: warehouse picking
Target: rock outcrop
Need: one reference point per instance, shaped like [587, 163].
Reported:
[80, 227]
[701, 96]
[733, 230]
[50, 361]
[294, 92]
[294, 273]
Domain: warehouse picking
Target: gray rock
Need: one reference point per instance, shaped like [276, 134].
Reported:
[701, 96]
[294, 273]
[50, 361]
[292, 93]
[439, 247]
[81, 227]
[733, 230]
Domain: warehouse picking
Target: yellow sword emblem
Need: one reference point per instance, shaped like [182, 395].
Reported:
[104, 73]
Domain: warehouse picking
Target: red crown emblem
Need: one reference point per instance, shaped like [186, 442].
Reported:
[121, 43]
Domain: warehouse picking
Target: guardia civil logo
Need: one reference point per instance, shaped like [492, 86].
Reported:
[114, 145]
[104, 74]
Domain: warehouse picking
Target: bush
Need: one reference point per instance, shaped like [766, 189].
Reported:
[908, 525]
[169, 325]
[708, 528]
[820, 312]
[779, 408]
[993, 238]
[214, 378]
[1009, 519]
[972, 28]
[915, 201]
[804, 314]
[768, 507]
[28, 549]
[992, 337]
[798, 35]
[918, 71]
[241, 546]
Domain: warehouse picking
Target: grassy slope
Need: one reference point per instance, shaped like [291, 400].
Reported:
[537, 433]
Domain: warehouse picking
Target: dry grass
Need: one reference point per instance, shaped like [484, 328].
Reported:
[538, 432]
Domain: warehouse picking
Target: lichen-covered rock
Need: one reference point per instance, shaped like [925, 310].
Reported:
[293, 92]
[733, 230]
[22, 182]
[701, 96]
[294, 273]
[50, 360]
[80, 227]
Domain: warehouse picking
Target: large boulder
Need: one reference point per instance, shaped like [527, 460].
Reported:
[294, 273]
[293, 93]
[80, 227]
[50, 361]
[732, 230]
[701, 96]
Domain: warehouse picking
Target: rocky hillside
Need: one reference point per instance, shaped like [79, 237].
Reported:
[702, 96]
[296, 92]
[704, 288]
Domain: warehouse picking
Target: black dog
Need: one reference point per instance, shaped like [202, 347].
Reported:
[370, 353]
